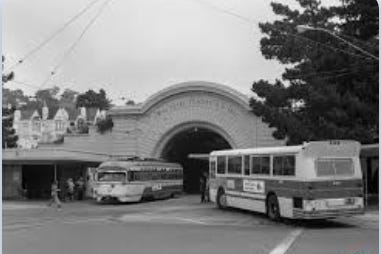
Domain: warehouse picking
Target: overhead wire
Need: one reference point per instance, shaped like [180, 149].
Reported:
[52, 36]
[24, 83]
[247, 20]
[75, 43]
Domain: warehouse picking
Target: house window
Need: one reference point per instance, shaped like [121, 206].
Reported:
[36, 125]
[59, 125]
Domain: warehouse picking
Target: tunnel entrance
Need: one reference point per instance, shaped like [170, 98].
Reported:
[193, 140]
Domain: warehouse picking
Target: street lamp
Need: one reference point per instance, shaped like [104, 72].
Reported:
[304, 28]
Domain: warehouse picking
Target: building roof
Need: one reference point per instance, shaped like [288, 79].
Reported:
[73, 113]
[50, 156]
[52, 112]
[26, 114]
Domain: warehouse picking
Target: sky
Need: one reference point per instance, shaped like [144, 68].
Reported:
[136, 47]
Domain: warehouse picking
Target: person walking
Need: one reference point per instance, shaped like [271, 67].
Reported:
[80, 187]
[54, 195]
[70, 189]
[207, 198]
[202, 187]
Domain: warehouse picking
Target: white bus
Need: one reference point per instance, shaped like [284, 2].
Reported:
[314, 180]
[135, 180]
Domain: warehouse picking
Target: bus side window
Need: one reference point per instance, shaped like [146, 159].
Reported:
[284, 165]
[277, 165]
[235, 165]
[266, 165]
[289, 165]
[246, 164]
[221, 164]
[130, 176]
[212, 168]
[260, 165]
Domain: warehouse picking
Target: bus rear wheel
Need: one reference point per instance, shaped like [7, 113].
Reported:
[273, 211]
[221, 199]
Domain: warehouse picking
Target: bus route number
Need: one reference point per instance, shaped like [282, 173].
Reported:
[156, 187]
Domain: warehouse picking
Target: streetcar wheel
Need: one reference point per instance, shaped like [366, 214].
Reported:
[273, 211]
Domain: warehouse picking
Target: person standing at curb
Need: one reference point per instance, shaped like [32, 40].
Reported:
[80, 187]
[207, 198]
[70, 189]
[54, 195]
[203, 180]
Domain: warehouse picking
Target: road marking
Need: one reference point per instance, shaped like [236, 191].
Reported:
[284, 245]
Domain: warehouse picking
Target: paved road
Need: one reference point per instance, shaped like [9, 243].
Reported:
[179, 225]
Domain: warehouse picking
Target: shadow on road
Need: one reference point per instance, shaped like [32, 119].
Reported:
[317, 224]
[308, 224]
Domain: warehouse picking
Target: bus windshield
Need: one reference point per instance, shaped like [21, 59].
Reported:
[334, 166]
[111, 176]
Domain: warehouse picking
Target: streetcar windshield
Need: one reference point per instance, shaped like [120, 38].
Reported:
[111, 176]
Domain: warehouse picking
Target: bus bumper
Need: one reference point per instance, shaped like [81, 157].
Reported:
[326, 214]
[130, 198]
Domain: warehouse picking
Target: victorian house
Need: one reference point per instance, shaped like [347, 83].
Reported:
[50, 125]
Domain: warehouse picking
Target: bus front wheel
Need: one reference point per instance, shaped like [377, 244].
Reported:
[221, 199]
[273, 211]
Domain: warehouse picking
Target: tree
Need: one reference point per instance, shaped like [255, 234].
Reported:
[16, 98]
[6, 77]
[68, 98]
[331, 90]
[104, 125]
[92, 99]
[9, 139]
[130, 102]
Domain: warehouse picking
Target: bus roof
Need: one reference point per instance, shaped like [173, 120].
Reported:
[259, 150]
[127, 164]
[288, 149]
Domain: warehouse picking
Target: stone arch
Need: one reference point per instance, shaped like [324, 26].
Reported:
[144, 129]
[166, 138]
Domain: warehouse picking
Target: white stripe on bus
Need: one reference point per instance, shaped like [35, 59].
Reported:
[246, 194]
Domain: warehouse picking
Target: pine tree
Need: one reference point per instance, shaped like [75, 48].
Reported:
[8, 133]
[9, 137]
[331, 90]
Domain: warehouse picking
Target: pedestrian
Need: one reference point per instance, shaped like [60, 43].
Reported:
[80, 187]
[70, 189]
[54, 195]
[207, 198]
[202, 187]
